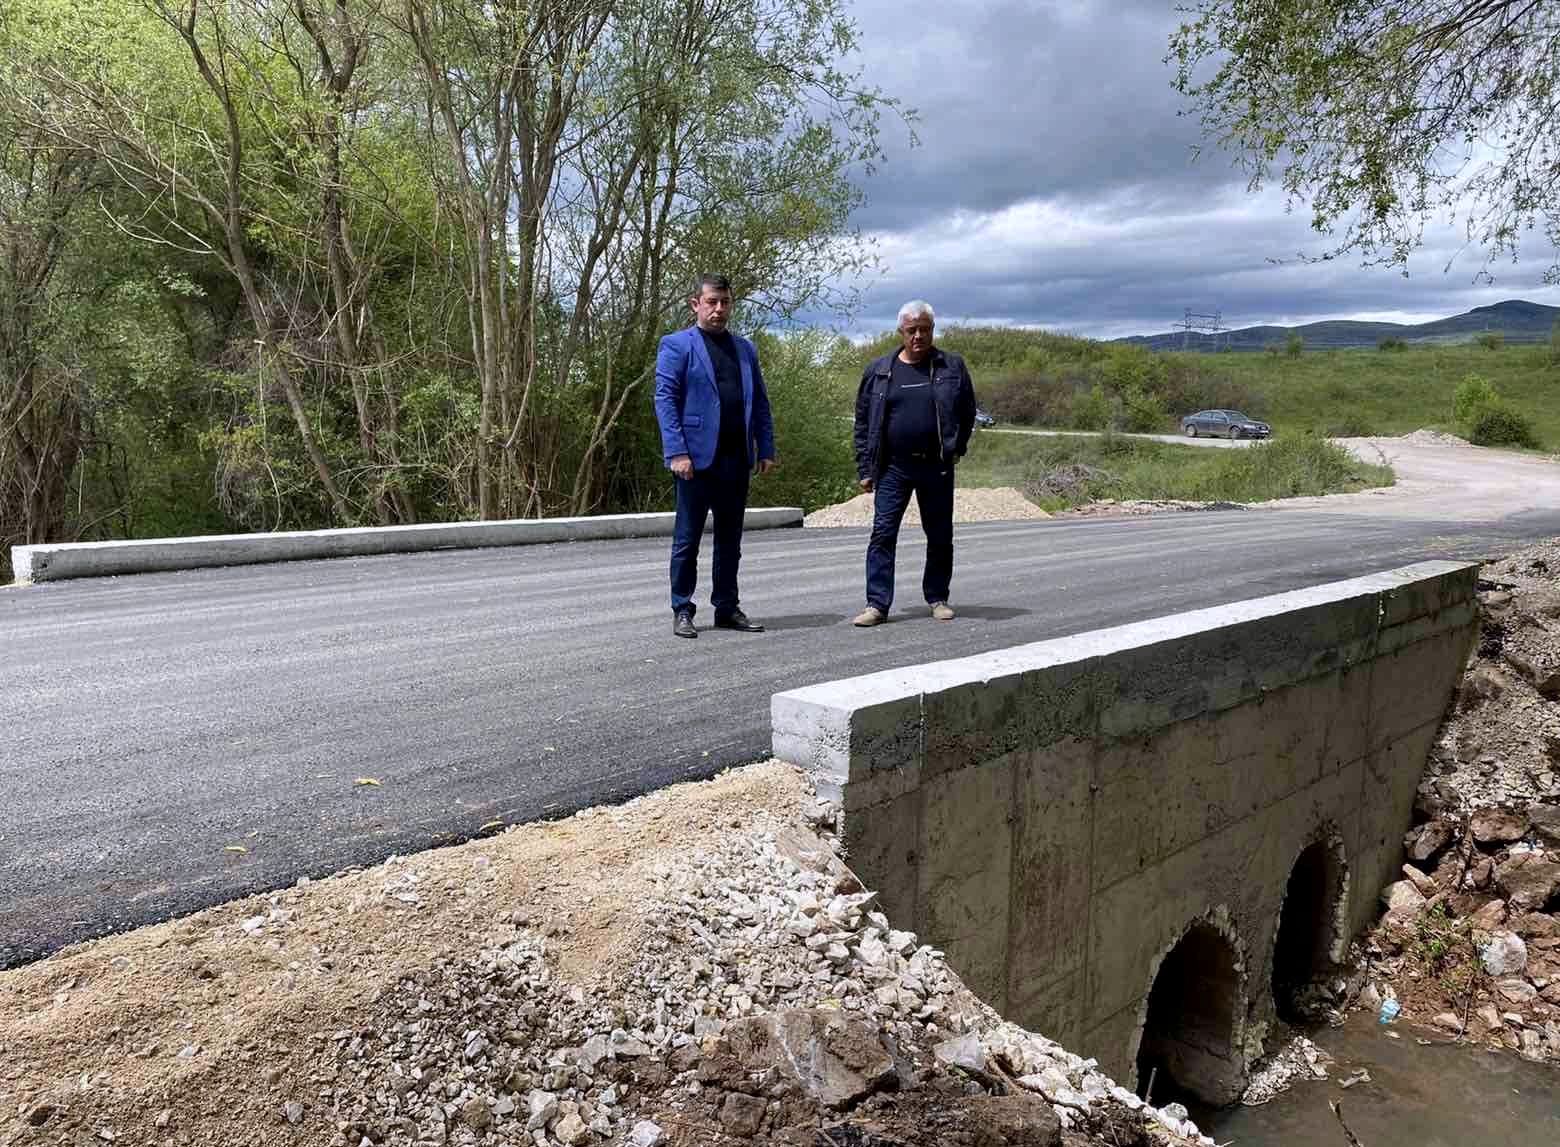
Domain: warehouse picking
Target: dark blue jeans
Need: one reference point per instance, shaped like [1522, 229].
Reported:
[932, 485]
[723, 489]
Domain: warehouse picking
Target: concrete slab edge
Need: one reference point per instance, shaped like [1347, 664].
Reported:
[61, 561]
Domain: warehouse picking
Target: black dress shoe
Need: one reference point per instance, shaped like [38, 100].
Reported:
[682, 625]
[739, 621]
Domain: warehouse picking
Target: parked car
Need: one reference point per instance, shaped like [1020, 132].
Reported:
[983, 419]
[1224, 424]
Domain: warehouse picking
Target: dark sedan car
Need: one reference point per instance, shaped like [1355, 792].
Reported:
[1224, 424]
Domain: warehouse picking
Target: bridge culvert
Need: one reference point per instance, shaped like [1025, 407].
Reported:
[1308, 929]
[1188, 1044]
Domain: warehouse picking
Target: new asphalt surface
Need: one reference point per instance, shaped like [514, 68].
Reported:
[153, 726]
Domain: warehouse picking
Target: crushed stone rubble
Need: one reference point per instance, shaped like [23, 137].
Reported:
[749, 949]
[1470, 940]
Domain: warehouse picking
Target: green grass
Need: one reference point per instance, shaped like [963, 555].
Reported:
[1129, 468]
[1034, 377]
[1396, 392]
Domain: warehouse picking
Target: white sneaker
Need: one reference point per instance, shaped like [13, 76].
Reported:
[942, 611]
[872, 615]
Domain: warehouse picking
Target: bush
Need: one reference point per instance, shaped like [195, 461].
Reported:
[1039, 399]
[1091, 409]
[1294, 344]
[1474, 394]
[1142, 413]
[1392, 342]
[1491, 340]
[1499, 425]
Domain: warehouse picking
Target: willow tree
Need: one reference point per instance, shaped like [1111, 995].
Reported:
[1384, 115]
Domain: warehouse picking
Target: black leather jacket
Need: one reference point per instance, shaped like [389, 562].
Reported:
[952, 391]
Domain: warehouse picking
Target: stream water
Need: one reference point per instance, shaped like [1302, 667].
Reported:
[1440, 1095]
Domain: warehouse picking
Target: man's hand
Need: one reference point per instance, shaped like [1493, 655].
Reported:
[682, 466]
[765, 465]
[867, 485]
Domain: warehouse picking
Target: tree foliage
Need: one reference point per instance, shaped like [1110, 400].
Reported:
[1386, 114]
[345, 261]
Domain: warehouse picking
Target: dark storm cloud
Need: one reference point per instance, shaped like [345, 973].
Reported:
[1055, 185]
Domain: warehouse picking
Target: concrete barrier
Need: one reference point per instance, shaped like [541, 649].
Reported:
[98, 559]
[1071, 818]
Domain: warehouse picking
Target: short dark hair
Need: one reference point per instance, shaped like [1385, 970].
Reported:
[710, 279]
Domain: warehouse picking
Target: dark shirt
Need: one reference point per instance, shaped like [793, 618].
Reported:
[911, 411]
[728, 380]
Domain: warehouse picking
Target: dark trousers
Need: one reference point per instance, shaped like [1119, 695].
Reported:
[932, 484]
[723, 489]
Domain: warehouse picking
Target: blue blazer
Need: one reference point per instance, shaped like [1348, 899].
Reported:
[687, 401]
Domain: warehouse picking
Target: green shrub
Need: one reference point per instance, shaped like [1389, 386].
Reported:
[1392, 342]
[1091, 409]
[1474, 394]
[1289, 467]
[1294, 344]
[1499, 425]
[1031, 397]
[1491, 340]
[1141, 413]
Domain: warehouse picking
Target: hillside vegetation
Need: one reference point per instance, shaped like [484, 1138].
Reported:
[1038, 378]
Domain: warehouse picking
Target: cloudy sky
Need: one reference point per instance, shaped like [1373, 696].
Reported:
[1055, 185]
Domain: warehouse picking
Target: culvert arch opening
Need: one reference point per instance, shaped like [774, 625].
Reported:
[1188, 1046]
[1308, 929]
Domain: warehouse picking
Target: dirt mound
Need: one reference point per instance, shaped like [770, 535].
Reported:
[979, 504]
[1424, 437]
[694, 967]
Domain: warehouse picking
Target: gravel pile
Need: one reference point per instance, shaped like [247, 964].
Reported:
[983, 504]
[757, 944]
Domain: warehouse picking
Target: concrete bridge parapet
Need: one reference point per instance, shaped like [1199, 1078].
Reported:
[1079, 820]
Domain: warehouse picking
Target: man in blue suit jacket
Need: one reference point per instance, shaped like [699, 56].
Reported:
[715, 430]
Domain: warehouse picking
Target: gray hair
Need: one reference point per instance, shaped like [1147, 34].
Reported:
[915, 309]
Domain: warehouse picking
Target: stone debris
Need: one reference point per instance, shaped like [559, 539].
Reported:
[974, 504]
[1480, 898]
[1298, 1059]
[769, 997]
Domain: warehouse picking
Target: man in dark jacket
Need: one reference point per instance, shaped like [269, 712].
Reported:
[715, 431]
[914, 414]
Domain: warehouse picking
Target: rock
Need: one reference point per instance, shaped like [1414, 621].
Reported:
[1402, 896]
[541, 1109]
[1536, 925]
[1498, 826]
[1517, 992]
[1490, 917]
[963, 1052]
[1542, 668]
[1531, 1045]
[1424, 842]
[593, 1052]
[1426, 886]
[1448, 1022]
[1488, 1018]
[41, 1114]
[504, 1106]
[293, 1112]
[1504, 955]
[475, 1114]
[1480, 874]
[835, 1059]
[571, 1130]
[1545, 819]
[1530, 880]
[164, 1118]
[646, 1134]
[742, 1115]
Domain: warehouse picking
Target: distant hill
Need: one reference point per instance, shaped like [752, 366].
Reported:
[1519, 321]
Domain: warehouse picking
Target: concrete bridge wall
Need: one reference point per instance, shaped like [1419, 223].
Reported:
[1072, 818]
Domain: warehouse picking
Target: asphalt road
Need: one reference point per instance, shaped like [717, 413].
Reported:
[152, 723]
